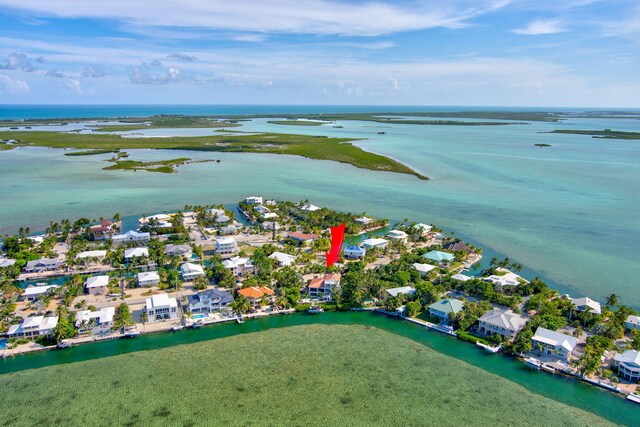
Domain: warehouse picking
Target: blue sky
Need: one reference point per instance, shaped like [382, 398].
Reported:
[457, 52]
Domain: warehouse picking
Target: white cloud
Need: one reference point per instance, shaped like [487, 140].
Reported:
[13, 87]
[280, 16]
[93, 72]
[541, 26]
[19, 61]
[55, 73]
[147, 75]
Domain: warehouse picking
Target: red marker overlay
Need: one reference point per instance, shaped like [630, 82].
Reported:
[337, 237]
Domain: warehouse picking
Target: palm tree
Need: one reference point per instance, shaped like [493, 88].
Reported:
[612, 300]
[571, 307]
[240, 304]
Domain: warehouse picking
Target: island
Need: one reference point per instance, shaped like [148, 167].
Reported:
[602, 134]
[83, 280]
[310, 146]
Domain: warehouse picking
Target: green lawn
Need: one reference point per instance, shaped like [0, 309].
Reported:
[302, 375]
[313, 147]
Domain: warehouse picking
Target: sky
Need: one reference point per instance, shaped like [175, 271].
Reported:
[336, 52]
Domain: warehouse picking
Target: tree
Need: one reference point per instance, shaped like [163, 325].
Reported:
[240, 304]
[200, 283]
[612, 300]
[392, 303]
[64, 329]
[123, 316]
[413, 308]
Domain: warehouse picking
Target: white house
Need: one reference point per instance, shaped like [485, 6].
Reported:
[506, 282]
[239, 266]
[209, 301]
[97, 285]
[253, 200]
[632, 322]
[226, 245]
[42, 264]
[31, 293]
[282, 258]
[442, 308]
[584, 303]
[501, 322]
[190, 271]
[6, 262]
[262, 209]
[269, 215]
[229, 229]
[91, 254]
[628, 364]
[363, 220]
[161, 307]
[97, 322]
[461, 277]
[309, 208]
[423, 269]
[422, 229]
[375, 243]
[131, 236]
[397, 236]
[136, 253]
[407, 290]
[554, 343]
[354, 252]
[33, 327]
[183, 251]
[148, 278]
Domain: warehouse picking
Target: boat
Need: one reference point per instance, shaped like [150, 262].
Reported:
[381, 133]
[532, 363]
[239, 319]
[64, 344]
[488, 348]
[548, 368]
[197, 324]
[131, 332]
[634, 398]
[178, 328]
[315, 309]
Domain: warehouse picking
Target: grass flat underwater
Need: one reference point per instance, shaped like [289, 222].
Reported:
[312, 374]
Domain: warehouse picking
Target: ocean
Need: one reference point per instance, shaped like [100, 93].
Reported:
[570, 213]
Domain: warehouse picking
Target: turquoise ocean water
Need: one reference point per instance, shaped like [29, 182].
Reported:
[570, 213]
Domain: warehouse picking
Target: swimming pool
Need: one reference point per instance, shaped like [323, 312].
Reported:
[199, 316]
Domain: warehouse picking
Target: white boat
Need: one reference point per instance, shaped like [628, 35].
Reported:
[548, 368]
[315, 309]
[178, 328]
[239, 319]
[131, 332]
[197, 324]
[532, 363]
[488, 348]
[64, 344]
[634, 398]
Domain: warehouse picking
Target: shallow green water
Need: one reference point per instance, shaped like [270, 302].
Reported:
[570, 212]
[558, 388]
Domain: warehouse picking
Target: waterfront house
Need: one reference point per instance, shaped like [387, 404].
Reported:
[148, 278]
[403, 290]
[161, 307]
[501, 322]
[354, 252]
[91, 254]
[309, 208]
[628, 365]
[104, 230]
[506, 282]
[282, 258]
[375, 243]
[255, 294]
[33, 327]
[131, 236]
[323, 285]
[457, 246]
[253, 200]
[32, 293]
[97, 285]
[239, 266]
[183, 251]
[632, 322]
[584, 304]
[439, 256]
[209, 301]
[6, 262]
[554, 343]
[423, 269]
[226, 245]
[397, 236]
[190, 271]
[441, 309]
[219, 216]
[97, 322]
[42, 264]
[421, 229]
[461, 277]
[131, 253]
[262, 209]
[363, 220]
[269, 215]
[302, 237]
